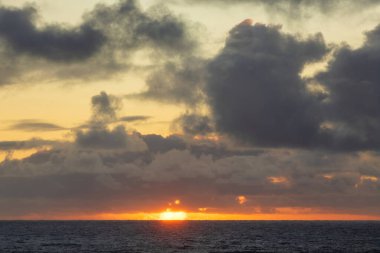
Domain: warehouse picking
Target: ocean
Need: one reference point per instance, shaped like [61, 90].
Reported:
[189, 236]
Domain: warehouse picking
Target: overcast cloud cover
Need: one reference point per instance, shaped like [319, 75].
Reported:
[268, 133]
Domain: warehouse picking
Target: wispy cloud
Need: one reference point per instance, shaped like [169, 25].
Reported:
[35, 126]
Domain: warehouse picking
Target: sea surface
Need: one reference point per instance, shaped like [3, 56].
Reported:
[189, 236]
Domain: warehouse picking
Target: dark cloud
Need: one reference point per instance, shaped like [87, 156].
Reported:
[194, 124]
[255, 90]
[102, 138]
[159, 144]
[105, 107]
[352, 81]
[35, 126]
[150, 170]
[98, 135]
[19, 145]
[257, 95]
[122, 182]
[128, 27]
[176, 82]
[19, 30]
[103, 45]
[134, 118]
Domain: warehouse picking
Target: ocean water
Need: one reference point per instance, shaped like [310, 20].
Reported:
[189, 236]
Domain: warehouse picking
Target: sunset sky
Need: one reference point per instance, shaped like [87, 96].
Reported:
[190, 109]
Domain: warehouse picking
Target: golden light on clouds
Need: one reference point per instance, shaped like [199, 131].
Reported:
[278, 180]
[241, 199]
[366, 179]
[210, 137]
[369, 178]
[247, 21]
[328, 176]
[21, 154]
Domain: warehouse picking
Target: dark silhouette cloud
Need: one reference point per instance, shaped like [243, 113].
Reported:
[105, 107]
[98, 135]
[176, 82]
[19, 30]
[159, 144]
[102, 138]
[352, 107]
[102, 45]
[134, 118]
[255, 90]
[128, 27]
[35, 126]
[194, 124]
[138, 182]
[19, 145]
[146, 169]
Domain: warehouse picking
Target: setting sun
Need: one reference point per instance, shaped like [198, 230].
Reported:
[169, 215]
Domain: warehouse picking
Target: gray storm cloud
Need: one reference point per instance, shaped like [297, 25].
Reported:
[102, 45]
[177, 82]
[19, 30]
[256, 93]
[105, 108]
[353, 82]
[194, 124]
[255, 90]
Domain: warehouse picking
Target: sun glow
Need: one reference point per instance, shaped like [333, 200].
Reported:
[169, 215]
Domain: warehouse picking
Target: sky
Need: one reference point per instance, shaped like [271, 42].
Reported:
[190, 109]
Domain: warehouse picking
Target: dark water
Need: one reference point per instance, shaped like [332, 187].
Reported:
[189, 236]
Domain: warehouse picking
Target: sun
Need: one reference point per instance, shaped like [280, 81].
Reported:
[169, 215]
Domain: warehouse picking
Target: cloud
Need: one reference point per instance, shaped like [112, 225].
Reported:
[134, 118]
[353, 84]
[255, 90]
[194, 124]
[257, 95]
[131, 172]
[159, 144]
[102, 45]
[176, 82]
[105, 107]
[103, 138]
[19, 145]
[127, 181]
[128, 27]
[98, 135]
[35, 126]
[19, 30]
